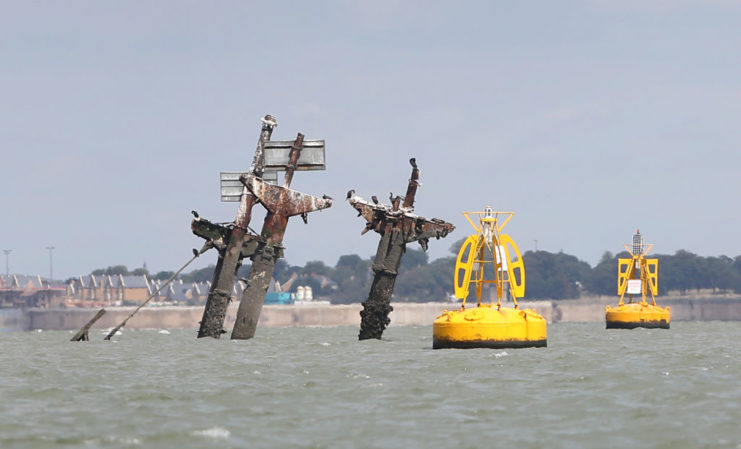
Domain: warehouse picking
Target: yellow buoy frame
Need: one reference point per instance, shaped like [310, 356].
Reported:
[489, 257]
[643, 314]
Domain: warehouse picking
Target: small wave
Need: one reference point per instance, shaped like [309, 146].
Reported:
[500, 354]
[127, 441]
[164, 332]
[324, 343]
[217, 433]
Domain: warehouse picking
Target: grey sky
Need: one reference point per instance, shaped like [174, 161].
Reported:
[588, 119]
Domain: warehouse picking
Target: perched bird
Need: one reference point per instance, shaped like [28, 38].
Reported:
[350, 194]
[326, 197]
[269, 120]
[195, 214]
[375, 199]
[413, 161]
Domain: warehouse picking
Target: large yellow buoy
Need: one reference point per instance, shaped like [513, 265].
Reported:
[637, 276]
[489, 257]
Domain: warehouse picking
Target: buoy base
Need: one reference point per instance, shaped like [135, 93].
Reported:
[631, 316]
[487, 327]
[440, 343]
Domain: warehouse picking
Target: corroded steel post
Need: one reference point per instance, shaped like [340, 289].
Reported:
[398, 226]
[281, 204]
[233, 243]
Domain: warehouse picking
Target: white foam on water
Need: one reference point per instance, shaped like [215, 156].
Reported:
[164, 332]
[324, 343]
[217, 433]
[500, 354]
[128, 441]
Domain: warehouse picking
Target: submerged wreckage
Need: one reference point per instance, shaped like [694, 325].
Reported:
[235, 242]
[398, 225]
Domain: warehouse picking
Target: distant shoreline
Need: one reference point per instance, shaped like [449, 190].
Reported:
[404, 314]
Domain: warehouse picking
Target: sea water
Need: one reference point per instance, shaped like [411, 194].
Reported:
[321, 388]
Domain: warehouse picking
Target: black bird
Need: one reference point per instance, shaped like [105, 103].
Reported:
[195, 214]
[375, 199]
[350, 193]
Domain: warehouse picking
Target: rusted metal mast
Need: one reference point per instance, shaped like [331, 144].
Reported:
[281, 203]
[234, 242]
[398, 226]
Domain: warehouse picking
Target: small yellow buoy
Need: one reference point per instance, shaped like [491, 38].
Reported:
[637, 275]
[489, 325]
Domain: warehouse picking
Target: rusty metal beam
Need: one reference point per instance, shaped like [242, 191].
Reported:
[235, 239]
[281, 203]
[398, 225]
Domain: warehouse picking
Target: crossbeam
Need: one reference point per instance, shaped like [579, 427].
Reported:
[277, 153]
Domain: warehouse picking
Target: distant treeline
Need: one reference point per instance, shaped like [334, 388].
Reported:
[548, 275]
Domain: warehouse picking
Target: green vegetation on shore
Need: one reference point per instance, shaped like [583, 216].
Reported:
[549, 275]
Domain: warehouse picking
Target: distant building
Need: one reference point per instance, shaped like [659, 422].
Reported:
[132, 288]
[86, 288]
[20, 291]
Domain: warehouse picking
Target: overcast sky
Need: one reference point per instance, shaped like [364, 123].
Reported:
[588, 119]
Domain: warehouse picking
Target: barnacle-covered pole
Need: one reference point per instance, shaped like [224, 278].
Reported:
[398, 225]
[281, 203]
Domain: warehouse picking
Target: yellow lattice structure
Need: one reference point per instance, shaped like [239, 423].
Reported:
[489, 252]
[638, 267]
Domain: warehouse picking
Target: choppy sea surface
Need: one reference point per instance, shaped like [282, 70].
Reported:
[321, 388]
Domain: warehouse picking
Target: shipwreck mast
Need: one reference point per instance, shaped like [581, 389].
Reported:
[398, 225]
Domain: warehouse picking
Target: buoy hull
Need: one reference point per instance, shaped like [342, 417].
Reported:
[442, 343]
[631, 316]
[486, 327]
